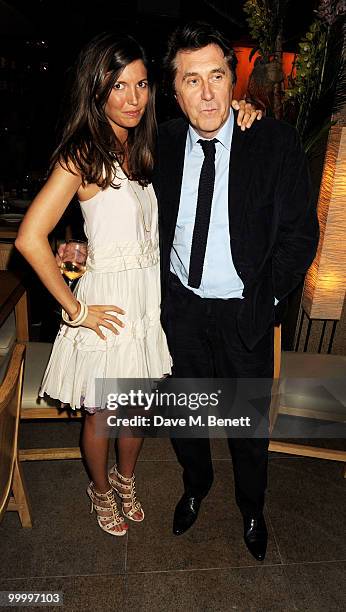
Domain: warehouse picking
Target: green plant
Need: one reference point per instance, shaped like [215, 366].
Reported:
[316, 69]
[260, 18]
[305, 84]
[307, 100]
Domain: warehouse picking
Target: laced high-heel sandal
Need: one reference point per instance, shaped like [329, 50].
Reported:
[106, 503]
[126, 490]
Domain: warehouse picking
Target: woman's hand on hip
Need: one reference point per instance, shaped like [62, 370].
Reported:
[102, 316]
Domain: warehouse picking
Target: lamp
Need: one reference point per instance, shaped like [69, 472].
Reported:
[324, 289]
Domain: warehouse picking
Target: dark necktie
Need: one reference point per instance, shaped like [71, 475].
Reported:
[203, 211]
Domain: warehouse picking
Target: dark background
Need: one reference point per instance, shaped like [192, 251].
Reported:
[39, 40]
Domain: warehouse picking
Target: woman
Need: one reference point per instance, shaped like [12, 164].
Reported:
[106, 157]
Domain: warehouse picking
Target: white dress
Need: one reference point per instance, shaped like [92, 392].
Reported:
[122, 269]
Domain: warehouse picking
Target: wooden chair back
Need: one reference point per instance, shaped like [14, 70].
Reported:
[11, 477]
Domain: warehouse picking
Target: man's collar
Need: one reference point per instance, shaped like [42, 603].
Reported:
[224, 136]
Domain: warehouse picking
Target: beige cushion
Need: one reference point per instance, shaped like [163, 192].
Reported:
[313, 386]
[7, 341]
[7, 334]
[37, 356]
[4, 361]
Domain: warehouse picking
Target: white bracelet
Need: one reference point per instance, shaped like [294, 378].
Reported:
[82, 315]
[75, 321]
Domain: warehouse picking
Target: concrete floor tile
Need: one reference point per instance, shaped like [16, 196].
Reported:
[65, 538]
[80, 593]
[262, 589]
[306, 503]
[320, 587]
[216, 539]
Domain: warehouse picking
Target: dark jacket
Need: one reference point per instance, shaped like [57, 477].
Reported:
[272, 219]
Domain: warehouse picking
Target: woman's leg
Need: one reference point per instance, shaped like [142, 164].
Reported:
[128, 451]
[95, 453]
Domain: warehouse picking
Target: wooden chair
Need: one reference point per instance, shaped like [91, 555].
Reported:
[7, 342]
[6, 250]
[274, 406]
[13, 318]
[299, 402]
[11, 476]
[14, 327]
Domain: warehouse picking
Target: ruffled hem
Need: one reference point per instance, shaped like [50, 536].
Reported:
[71, 373]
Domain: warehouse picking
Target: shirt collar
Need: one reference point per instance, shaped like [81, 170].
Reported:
[224, 136]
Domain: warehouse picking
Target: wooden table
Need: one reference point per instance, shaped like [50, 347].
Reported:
[13, 296]
[8, 231]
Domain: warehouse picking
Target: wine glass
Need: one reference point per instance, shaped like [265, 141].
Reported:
[74, 259]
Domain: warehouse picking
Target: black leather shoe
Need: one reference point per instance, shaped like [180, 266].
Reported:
[186, 513]
[256, 536]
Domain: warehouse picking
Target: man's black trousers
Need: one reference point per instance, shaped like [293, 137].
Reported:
[204, 342]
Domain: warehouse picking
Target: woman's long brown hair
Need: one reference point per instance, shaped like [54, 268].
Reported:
[88, 144]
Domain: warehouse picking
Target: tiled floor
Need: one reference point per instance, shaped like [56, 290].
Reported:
[207, 569]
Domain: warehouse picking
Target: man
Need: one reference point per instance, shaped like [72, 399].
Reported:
[238, 231]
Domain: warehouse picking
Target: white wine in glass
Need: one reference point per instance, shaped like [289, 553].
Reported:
[74, 259]
[72, 270]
